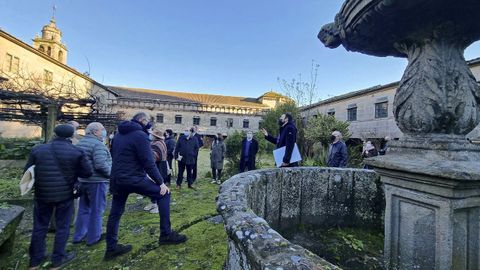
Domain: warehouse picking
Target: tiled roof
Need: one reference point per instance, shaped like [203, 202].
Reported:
[185, 97]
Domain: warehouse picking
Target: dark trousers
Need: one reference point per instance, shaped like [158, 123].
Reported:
[168, 179]
[216, 173]
[42, 213]
[120, 194]
[181, 168]
[194, 174]
[90, 213]
[246, 164]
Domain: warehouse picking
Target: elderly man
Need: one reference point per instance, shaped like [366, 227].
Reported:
[249, 153]
[337, 152]
[134, 171]
[57, 166]
[94, 189]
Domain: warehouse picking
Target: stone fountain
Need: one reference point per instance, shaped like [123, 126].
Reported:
[432, 176]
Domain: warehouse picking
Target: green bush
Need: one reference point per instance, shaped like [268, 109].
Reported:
[17, 148]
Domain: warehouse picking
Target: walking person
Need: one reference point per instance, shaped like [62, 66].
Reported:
[57, 166]
[368, 152]
[287, 137]
[249, 153]
[170, 142]
[186, 152]
[93, 199]
[132, 161]
[159, 150]
[217, 156]
[337, 151]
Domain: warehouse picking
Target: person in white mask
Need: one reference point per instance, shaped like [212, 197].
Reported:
[249, 153]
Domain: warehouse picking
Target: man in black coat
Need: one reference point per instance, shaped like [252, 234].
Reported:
[287, 137]
[58, 164]
[186, 152]
[200, 145]
[170, 142]
[134, 171]
[249, 153]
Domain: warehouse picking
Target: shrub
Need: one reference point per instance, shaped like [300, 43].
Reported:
[17, 148]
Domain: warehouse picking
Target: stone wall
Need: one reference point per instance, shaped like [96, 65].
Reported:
[256, 204]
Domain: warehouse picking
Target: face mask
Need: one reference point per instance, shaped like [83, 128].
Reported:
[165, 135]
[111, 136]
[104, 133]
[186, 133]
[280, 122]
[148, 125]
[151, 137]
[249, 136]
[332, 138]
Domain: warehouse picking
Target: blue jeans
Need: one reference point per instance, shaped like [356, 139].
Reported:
[90, 212]
[120, 194]
[42, 213]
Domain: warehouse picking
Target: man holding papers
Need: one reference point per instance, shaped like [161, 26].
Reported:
[287, 138]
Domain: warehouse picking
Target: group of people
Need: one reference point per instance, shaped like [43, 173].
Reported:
[137, 163]
[139, 160]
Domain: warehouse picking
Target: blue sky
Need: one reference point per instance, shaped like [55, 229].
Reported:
[211, 46]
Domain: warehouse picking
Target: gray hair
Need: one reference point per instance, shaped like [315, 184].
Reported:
[139, 115]
[74, 124]
[92, 127]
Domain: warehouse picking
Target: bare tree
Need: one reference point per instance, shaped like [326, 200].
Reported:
[302, 92]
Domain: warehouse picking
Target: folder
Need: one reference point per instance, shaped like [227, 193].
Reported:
[279, 153]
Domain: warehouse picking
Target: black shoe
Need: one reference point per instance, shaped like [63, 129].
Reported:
[102, 237]
[118, 251]
[192, 187]
[65, 260]
[172, 238]
[79, 241]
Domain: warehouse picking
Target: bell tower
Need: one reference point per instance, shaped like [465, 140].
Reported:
[50, 43]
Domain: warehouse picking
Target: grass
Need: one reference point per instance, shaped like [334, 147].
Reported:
[205, 249]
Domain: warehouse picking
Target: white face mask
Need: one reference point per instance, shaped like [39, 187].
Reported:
[150, 137]
[249, 136]
[111, 136]
[186, 133]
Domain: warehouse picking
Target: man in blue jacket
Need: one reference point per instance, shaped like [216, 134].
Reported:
[287, 137]
[337, 152]
[134, 171]
[57, 166]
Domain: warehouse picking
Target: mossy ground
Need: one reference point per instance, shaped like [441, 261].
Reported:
[205, 249]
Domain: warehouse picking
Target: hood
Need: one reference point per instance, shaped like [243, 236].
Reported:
[129, 126]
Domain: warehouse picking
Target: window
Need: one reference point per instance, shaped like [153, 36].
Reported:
[331, 112]
[60, 56]
[213, 122]
[196, 120]
[49, 51]
[230, 122]
[246, 123]
[42, 49]
[381, 110]
[352, 112]
[47, 77]
[159, 118]
[12, 63]
[178, 119]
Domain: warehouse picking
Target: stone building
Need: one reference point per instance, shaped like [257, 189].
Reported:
[180, 110]
[370, 111]
[42, 67]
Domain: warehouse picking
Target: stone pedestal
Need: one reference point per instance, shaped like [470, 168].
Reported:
[432, 215]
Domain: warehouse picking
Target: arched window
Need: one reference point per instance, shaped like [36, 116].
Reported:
[49, 51]
[42, 49]
[60, 55]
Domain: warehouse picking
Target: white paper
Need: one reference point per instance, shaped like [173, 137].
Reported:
[279, 153]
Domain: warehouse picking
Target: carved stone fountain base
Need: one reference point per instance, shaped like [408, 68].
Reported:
[432, 215]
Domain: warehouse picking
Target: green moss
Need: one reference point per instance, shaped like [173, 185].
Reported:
[9, 180]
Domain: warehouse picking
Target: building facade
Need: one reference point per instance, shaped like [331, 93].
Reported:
[370, 111]
[43, 67]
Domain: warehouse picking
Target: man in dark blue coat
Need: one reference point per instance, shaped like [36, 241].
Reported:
[337, 152]
[200, 145]
[57, 166]
[170, 142]
[186, 152]
[287, 137]
[134, 171]
[249, 153]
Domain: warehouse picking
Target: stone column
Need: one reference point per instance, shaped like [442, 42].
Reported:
[432, 215]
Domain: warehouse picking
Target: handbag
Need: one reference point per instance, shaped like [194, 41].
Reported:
[27, 181]
[76, 184]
